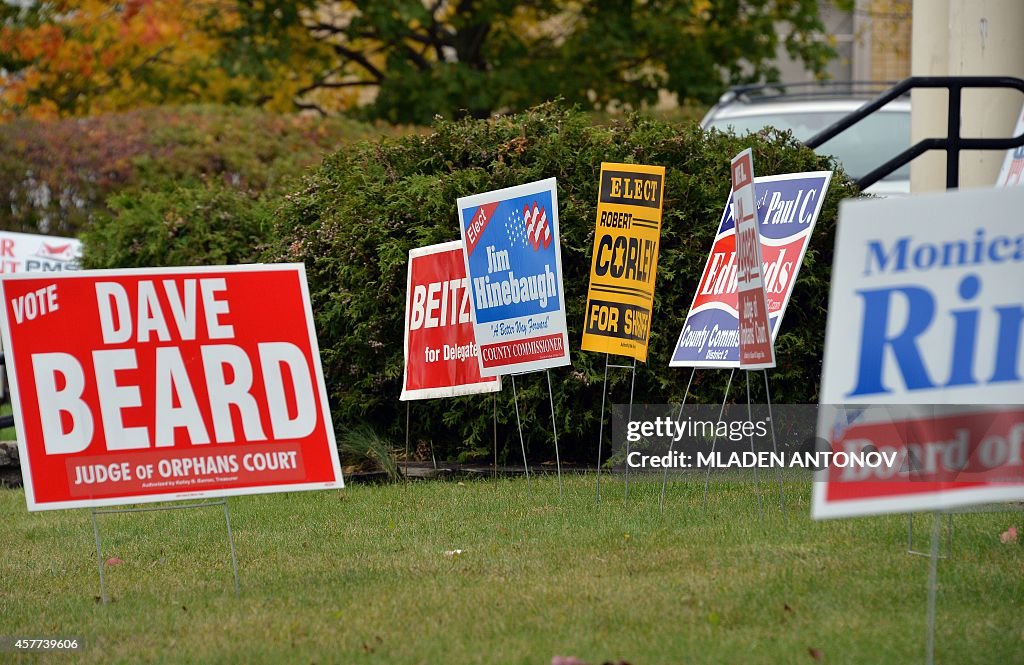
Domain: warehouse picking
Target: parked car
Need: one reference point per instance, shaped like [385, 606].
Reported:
[806, 109]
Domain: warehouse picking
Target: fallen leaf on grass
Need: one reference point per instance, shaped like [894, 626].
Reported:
[816, 654]
[567, 660]
[453, 553]
[786, 608]
[114, 561]
[1008, 536]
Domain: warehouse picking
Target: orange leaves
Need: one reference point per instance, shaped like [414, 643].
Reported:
[133, 7]
[50, 40]
[31, 43]
[89, 56]
[84, 57]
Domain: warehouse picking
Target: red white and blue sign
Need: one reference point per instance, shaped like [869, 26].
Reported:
[926, 322]
[28, 252]
[788, 207]
[514, 266]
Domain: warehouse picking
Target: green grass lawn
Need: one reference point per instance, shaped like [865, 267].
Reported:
[362, 576]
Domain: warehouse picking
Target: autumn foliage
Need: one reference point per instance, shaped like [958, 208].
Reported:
[56, 176]
[403, 60]
[79, 57]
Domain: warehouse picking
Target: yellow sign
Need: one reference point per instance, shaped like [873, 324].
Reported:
[618, 315]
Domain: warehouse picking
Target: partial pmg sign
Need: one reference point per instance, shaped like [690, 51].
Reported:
[1012, 173]
[29, 252]
[168, 383]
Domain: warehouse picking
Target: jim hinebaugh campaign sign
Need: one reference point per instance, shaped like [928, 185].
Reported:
[787, 209]
[924, 353]
[169, 383]
[514, 265]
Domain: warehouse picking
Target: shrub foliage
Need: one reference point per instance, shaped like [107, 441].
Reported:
[359, 214]
[194, 223]
[56, 177]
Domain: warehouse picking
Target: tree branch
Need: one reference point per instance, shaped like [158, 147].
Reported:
[318, 85]
[360, 60]
[309, 106]
[417, 58]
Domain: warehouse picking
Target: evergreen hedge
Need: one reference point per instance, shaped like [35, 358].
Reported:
[181, 224]
[358, 215]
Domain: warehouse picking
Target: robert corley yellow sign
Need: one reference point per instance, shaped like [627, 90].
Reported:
[618, 314]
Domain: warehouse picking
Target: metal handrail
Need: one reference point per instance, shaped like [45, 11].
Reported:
[953, 143]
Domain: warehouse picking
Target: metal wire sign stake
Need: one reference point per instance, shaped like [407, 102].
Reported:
[933, 577]
[714, 440]
[181, 506]
[671, 445]
[522, 442]
[600, 436]
[554, 432]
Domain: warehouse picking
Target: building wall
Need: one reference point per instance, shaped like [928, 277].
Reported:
[839, 29]
[873, 42]
[888, 27]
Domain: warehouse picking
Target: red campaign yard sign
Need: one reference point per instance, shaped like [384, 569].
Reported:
[933, 458]
[756, 348]
[132, 386]
[441, 353]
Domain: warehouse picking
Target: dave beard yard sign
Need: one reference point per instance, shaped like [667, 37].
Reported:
[134, 386]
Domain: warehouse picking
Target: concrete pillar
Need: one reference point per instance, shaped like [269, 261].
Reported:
[965, 38]
[862, 37]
